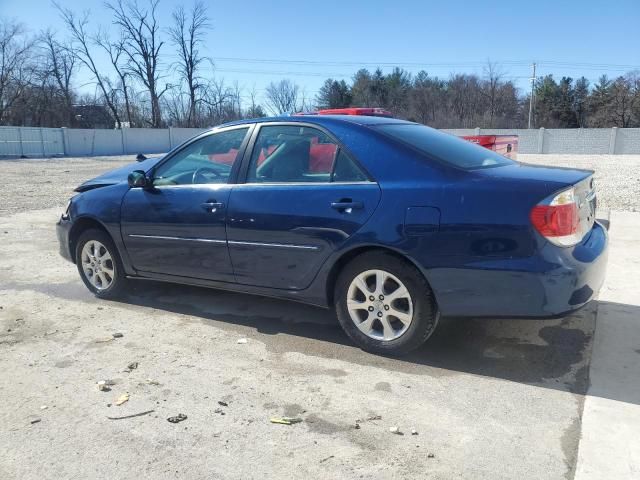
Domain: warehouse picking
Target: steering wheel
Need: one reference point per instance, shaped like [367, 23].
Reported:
[199, 174]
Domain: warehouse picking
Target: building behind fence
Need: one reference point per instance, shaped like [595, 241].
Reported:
[28, 142]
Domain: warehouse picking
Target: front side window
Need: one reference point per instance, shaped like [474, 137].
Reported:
[293, 154]
[205, 161]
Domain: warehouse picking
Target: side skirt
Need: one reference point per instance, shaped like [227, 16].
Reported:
[291, 295]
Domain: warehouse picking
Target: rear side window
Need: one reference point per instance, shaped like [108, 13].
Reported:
[444, 147]
[293, 154]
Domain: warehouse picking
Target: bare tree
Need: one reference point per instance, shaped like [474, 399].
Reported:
[15, 64]
[621, 102]
[60, 65]
[254, 110]
[142, 45]
[115, 50]
[81, 43]
[491, 88]
[187, 34]
[282, 97]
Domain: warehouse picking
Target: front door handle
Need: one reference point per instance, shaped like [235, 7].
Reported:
[346, 206]
[212, 207]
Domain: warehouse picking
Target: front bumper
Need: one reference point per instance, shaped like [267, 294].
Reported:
[555, 281]
[63, 229]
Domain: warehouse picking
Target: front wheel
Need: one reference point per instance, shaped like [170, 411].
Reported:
[99, 264]
[385, 304]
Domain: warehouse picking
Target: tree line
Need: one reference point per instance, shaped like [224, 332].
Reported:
[142, 87]
[490, 100]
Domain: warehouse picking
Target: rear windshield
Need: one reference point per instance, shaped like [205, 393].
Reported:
[444, 147]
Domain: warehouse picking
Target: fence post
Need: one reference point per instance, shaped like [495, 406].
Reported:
[541, 140]
[44, 153]
[64, 140]
[125, 149]
[170, 138]
[20, 139]
[477, 131]
[122, 140]
[612, 140]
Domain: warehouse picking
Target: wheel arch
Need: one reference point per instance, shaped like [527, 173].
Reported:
[82, 224]
[351, 254]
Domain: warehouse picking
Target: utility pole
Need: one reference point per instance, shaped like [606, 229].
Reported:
[533, 82]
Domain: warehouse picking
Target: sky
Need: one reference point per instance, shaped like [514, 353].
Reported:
[254, 42]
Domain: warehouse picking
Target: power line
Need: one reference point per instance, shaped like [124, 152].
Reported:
[584, 65]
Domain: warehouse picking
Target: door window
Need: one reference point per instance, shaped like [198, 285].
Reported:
[292, 154]
[205, 161]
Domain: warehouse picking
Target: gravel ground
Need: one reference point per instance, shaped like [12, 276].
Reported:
[617, 176]
[52, 180]
[30, 184]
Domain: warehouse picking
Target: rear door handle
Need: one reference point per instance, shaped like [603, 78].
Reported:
[346, 207]
[212, 207]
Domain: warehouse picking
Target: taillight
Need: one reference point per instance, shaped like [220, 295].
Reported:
[557, 219]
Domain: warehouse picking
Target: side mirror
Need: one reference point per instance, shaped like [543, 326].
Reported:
[138, 179]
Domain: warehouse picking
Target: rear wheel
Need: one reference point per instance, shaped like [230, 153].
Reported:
[385, 304]
[99, 264]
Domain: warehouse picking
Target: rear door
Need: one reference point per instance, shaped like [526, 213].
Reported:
[178, 227]
[304, 197]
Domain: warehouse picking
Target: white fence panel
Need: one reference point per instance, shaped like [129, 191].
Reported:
[32, 145]
[180, 135]
[53, 142]
[627, 140]
[108, 142]
[577, 141]
[80, 142]
[16, 142]
[10, 144]
[146, 140]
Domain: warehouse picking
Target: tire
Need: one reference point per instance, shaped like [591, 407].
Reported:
[385, 333]
[110, 280]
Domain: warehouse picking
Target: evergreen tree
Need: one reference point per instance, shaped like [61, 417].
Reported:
[334, 94]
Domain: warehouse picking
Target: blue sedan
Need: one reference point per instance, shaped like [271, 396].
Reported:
[389, 222]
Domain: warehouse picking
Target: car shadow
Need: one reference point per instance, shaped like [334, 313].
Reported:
[546, 353]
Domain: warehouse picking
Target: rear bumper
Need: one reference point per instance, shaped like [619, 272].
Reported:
[63, 228]
[556, 281]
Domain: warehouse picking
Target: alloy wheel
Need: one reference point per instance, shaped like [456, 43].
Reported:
[380, 305]
[97, 265]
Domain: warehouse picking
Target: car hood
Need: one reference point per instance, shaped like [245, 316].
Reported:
[118, 175]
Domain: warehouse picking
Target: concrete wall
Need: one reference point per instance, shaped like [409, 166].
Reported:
[79, 142]
[49, 142]
[587, 141]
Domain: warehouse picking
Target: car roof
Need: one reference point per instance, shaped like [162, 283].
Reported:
[323, 120]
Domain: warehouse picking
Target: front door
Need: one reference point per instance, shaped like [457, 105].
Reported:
[304, 197]
[177, 227]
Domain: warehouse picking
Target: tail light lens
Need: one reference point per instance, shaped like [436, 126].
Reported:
[557, 219]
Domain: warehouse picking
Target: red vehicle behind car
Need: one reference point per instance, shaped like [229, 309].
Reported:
[506, 145]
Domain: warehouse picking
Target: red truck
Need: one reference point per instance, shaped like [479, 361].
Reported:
[506, 145]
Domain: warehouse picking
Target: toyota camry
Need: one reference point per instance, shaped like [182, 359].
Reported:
[390, 223]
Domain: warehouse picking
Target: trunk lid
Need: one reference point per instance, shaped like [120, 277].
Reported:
[549, 181]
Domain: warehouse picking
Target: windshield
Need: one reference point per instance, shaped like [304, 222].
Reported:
[444, 147]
